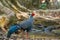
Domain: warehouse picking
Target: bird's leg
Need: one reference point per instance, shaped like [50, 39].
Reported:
[22, 34]
[27, 35]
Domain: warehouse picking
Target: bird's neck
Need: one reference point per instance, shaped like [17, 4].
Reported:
[31, 18]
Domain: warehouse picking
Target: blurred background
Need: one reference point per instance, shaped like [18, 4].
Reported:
[47, 15]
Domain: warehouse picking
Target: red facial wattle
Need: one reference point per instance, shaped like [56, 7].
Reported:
[33, 14]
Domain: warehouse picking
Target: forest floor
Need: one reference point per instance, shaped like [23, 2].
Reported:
[32, 36]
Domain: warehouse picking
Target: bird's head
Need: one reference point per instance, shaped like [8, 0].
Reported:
[33, 13]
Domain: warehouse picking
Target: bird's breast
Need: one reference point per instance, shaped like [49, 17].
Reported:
[26, 25]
